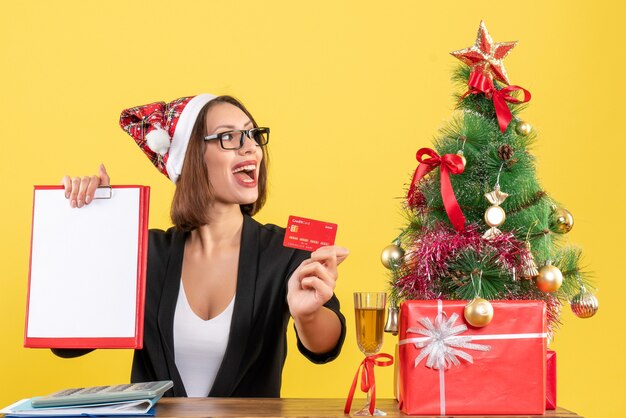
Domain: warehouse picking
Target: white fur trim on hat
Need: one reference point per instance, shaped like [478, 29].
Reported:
[158, 140]
[182, 134]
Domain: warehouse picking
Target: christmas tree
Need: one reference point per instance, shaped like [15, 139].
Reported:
[479, 225]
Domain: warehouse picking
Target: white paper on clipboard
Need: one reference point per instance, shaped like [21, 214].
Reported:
[87, 270]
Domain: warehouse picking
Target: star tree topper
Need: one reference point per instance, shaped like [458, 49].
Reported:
[486, 56]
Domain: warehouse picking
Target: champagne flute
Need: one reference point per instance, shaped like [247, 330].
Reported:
[369, 310]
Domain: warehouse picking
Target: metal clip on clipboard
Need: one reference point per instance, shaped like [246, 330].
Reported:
[103, 192]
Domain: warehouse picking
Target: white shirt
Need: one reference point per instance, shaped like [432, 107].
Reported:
[199, 345]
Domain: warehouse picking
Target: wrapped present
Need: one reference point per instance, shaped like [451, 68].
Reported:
[396, 375]
[449, 367]
[550, 380]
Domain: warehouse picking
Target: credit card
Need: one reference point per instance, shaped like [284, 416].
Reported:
[309, 234]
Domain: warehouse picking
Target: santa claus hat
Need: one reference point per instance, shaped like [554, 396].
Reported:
[162, 130]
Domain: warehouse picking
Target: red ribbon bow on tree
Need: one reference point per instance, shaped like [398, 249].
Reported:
[479, 83]
[367, 379]
[448, 164]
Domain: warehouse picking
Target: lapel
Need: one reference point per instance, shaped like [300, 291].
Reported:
[229, 373]
[167, 308]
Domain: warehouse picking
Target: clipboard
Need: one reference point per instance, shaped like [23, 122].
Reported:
[87, 273]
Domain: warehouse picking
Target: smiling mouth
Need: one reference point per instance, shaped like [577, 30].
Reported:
[246, 173]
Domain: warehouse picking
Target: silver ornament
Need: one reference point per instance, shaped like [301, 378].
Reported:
[584, 304]
[391, 325]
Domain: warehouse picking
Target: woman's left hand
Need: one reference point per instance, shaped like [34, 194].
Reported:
[313, 282]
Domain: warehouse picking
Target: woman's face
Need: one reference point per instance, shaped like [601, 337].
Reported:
[233, 174]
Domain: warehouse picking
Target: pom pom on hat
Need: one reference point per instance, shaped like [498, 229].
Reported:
[158, 140]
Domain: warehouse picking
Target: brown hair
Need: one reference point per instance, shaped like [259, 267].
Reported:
[193, 188]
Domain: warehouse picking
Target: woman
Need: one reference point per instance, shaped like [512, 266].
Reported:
[220, 286]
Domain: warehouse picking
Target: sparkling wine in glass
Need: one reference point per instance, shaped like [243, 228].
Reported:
[369, 310]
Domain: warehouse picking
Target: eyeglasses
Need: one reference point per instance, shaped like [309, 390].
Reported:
[235, 139]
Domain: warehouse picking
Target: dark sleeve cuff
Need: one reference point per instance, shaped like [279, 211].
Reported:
[70, 352]
[333, 305]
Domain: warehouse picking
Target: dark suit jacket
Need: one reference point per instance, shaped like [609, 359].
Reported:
[257, 346]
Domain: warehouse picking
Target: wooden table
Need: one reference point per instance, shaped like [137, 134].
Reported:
[264, 407]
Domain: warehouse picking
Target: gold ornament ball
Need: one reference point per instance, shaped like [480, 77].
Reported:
[549, 278]
[478, 312]
[561, 221]
[391, 256]
[523, 128]
[584, 305]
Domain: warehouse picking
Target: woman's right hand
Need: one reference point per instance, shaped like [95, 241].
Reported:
[80, 190]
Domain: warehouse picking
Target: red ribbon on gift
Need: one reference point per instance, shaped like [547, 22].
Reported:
[448, 164]
[479, 83]
[367, 379]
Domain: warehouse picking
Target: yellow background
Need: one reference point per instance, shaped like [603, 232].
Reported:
[351, 90]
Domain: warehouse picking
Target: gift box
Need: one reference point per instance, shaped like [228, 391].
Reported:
[447, 366]
[396, 386]
[550, 380]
